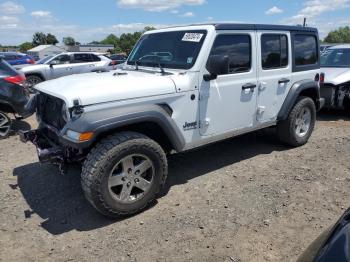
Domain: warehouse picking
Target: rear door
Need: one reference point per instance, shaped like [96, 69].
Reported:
[274, 72]
[82, 63]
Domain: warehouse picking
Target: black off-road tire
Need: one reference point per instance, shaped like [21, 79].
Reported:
[101, 161]
[286, 128]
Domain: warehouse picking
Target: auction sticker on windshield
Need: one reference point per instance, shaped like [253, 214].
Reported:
[192, 37]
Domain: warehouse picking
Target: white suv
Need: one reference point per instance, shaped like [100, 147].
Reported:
[64, 64]
[181, 88]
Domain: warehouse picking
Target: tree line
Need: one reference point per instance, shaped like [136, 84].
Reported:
[122, 44]
[125, 42]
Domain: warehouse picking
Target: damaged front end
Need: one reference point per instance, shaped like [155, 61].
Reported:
[336, 96]
[52, 117]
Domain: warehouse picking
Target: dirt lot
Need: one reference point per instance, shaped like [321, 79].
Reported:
[245, 199]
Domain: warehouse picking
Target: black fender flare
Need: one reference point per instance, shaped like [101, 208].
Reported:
[107, 119]
[295, 92]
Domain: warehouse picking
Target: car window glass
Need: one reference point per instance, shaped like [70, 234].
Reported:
[9, 57]
[337, 58]
[305, 50]
[6, 69]
[82, 58]
[274, 51]
[237, 48]
[61, 59]
[95, 58]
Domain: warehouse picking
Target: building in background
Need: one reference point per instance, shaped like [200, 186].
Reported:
[42, 51]
[96, 48]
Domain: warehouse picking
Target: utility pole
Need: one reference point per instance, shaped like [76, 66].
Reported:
[304, 24]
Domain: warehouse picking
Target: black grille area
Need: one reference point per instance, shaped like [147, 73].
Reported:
[50, 110]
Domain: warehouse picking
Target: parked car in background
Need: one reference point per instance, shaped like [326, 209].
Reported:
[64, 64]
[13, 97]
[332, 245]
[117, 61]
[336, 68]
[17, 60]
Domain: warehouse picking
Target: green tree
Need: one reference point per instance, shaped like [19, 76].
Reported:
[128, 41]
[39, 38]
[69, 41]
[25, 47]
[341, 35]
[51, 39]
[111, 39]
[149, 28]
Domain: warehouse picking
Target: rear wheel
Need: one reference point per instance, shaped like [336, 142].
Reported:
[5, 125]
[123, 174]
[298, 127]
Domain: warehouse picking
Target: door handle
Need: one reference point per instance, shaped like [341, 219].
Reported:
[283, 81]
[248, 86]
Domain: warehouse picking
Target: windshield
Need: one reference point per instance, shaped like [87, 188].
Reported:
[45, 59]
[175, 50]
[336, 58]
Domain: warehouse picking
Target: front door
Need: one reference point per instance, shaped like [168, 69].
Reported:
[275, 72]
[228, 103]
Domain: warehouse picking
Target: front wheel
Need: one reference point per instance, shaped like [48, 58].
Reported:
[298, 127]
[123, 174]
[33, 80]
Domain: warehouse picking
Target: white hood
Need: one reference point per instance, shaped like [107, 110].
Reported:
[93, 88]
[336, 75]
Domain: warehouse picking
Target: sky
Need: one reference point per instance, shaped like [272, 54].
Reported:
[88, 20]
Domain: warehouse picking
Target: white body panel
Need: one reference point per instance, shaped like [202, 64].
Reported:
[219, 108]
[224, 106]
[271, 94]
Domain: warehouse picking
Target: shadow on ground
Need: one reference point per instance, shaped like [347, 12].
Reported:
[60, 201]
[333, 115]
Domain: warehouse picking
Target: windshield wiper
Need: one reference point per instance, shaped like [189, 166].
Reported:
[162, 71]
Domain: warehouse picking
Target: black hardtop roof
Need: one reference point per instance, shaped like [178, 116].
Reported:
[237, 26]
[263, 27]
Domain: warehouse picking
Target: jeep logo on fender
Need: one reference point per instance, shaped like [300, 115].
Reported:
[190, 126]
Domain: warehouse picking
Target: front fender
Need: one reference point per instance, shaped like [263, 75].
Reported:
[108, 119]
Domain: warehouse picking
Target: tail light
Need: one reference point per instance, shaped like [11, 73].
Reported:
[30, 61]
[17, 80]
[322, 76]
[112, 63]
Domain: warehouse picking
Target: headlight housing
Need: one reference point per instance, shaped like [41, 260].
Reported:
[79, 137]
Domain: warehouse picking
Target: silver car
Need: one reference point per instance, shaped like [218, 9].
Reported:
[336, 68]
[64, 64]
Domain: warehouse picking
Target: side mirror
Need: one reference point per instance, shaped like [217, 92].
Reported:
[217, 65]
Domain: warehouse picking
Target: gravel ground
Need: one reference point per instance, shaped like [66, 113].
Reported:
[244, 199]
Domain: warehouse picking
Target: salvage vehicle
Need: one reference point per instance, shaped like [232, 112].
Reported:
[13, 96]
[331, 245]
[181, 88]
[336, 69]
[65, 64]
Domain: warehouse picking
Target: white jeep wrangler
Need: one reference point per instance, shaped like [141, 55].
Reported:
[181, 88]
